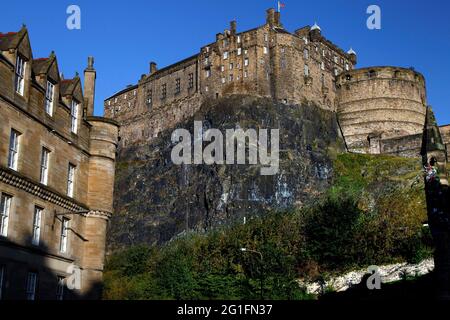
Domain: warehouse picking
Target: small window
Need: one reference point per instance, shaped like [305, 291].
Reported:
[60, 288]
[37, 226]
[231, 66]
[208, 73]
[223, 80]
[191, 80]
[322, 65]
[305, 39]
[266, 37]
[74, 116]
[266, 50]
[306, 70]
[239, 51]
[206, 88]
[5, 208]
[31, 285]
[245, 52]
[231, 77]
[149, 98]
[178, 86]
[225, 55]
[206, 61]
[238, 39]
[347, 67]
[246, 62]
[222, 68]
[306, 54]
[44, 165]
[164, 91]
[64, 235]
[49, 97]
[13, 157]
[71, 180]
[336, 71]
[20, 75]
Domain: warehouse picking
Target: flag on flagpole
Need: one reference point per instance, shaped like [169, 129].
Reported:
[280, 5]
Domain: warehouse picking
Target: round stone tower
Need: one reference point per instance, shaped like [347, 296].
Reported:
[380, 103]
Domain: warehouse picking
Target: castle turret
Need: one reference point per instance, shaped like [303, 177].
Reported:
[233, 27]
[352, 55]
[89, 86]
[315, 32]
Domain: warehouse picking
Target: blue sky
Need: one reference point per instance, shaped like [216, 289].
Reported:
[124, 36]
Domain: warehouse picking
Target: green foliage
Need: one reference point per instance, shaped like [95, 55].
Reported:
[372, 214]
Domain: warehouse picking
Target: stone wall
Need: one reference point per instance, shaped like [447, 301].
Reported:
[445, 132]
[267, 61]
[380, 103]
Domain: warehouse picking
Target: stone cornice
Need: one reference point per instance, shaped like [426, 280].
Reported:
[15, 179]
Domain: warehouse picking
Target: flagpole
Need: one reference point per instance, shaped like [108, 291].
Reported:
[279, 9]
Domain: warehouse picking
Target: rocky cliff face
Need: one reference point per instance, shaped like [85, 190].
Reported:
[156, 200]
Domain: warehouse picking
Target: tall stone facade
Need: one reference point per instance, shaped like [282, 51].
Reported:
[56, 177]
[267, 61]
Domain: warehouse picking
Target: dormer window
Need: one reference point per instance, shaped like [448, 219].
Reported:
[74, 116]
[49, 97]
[20, 75]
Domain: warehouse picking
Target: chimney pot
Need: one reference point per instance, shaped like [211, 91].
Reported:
[153, 67]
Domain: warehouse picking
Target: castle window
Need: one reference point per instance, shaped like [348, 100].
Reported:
[223, 80]
[207, 49]
[322, 79]
[225, 55]
[246, 61]
[49, 96]
[347, 67]
[206, 60]
[245, 52]
[208, 73]
[336, 60]
[322, 65]
[31, 285]
[371, 74]
[225, 43]
[239, 51]
[191, 80]
[231, 77]
[64, 235]
[206, 88]
[305, 39]
[5, 208]
[20, 75]
[231, 66]
[266, 50]
[282, 50]
[306, 70]
[164, 91]
[336, 71]
[178, 85]
[323, 52]
[306, 54]
[266, 37]
[74, 116]
[71, 180]
[13, 150]
[37, 226]
[149, 98]
[44, 166]
[245, 74]
[222, 68]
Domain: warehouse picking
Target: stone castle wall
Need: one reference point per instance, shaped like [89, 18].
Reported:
[294, 68]
[380, 103]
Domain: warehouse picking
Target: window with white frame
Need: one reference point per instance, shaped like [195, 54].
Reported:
[322, 65]
[64, 235]
[37, 226]
[74, 115]
[60, 288]
[13, 157]
[347, 67]
[306, 70]
[31, 285]
[238, 39]
[266, 37]
[2, 280]
[223, 80]
[225, 55]
[231, 66]
[5, 208]
[71, 180]
[266, 50]
[49, 97]
[239, 51]
[245, 74]
[20, 75]
[246, 61]
[44, 165]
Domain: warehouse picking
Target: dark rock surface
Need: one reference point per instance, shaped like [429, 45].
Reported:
[156, 200]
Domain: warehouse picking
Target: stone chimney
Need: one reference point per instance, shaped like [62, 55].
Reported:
[270, 17]
[153, 67]
[89, 86]
[277, 19]
[233, 28]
